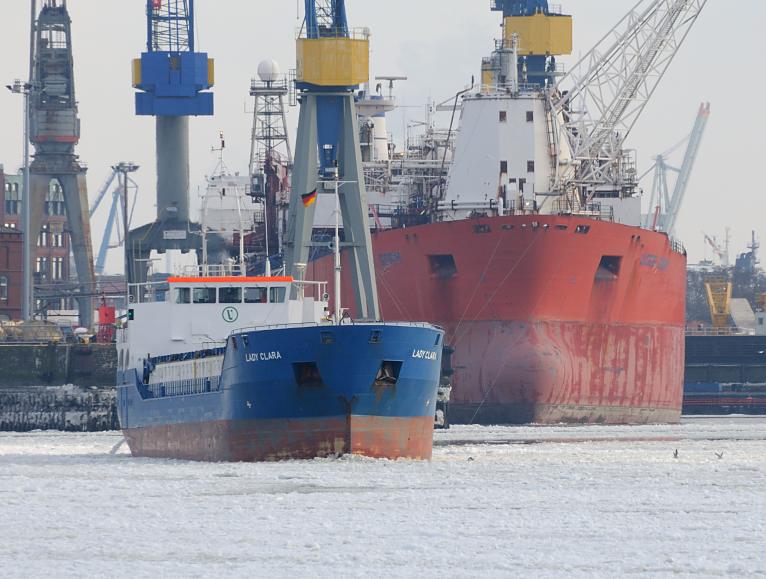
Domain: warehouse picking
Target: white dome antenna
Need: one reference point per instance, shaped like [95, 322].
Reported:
[268, 70]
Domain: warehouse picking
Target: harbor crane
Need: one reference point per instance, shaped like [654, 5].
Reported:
[119, 172]
[54, 131]
[722, 252]
[333, 61]
[665, 207]
[594, 107]
[172, 80]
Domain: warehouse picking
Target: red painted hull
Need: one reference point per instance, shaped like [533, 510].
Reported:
[263, 440]
[552, 318]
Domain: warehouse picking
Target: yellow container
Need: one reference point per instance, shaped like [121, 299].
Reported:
[136, 72]
[540, 35]
[333, 61]
[210, 71]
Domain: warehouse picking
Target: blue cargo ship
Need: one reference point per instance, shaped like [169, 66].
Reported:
[233, 369]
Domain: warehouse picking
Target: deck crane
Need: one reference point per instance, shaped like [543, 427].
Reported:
[664, 207]
[333, 60]
[595, 106]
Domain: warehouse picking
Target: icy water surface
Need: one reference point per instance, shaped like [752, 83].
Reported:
[494, 502]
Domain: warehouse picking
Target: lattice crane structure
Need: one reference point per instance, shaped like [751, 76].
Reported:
[664, 205]
[596, 104]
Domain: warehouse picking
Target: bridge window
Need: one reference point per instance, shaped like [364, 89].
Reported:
[503, 116]
[3, 288]
[230, 295]
[255, 295]
[277, 295]
[203, 295]
[182, 295]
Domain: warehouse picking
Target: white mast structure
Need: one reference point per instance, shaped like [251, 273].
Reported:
[609, 89]
[269, 143]
[221, 171]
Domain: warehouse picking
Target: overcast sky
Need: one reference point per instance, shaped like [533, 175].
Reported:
[438, 44]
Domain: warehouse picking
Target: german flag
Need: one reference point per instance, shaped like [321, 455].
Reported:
[309, 198]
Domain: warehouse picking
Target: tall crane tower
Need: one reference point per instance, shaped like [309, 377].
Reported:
[664, 206]
[333, 60]
[55, 131]
[171, 78]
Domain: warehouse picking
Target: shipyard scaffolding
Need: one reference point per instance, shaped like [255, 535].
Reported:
[271, 164]
[54, 133]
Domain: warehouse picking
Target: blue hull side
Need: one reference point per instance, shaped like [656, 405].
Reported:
[297, 393]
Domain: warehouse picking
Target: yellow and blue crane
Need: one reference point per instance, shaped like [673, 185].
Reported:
[172, 79]
[332, 61]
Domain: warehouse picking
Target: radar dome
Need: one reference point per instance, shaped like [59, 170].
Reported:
[268, 71]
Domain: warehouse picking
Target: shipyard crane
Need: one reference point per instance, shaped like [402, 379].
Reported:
[119, 172]
[722, 252]
[665, 207]
[595, 106]
[332, 61]
[172, 80]
[54, 125]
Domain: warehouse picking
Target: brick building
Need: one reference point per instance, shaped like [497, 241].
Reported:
[52, 263]
[11, 252]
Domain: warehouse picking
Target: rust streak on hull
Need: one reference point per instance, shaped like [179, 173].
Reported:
[264, 440]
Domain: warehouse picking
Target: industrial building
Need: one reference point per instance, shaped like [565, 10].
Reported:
[10, 273]
[52, 265]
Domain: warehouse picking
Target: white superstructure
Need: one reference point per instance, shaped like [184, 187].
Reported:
[197, 314]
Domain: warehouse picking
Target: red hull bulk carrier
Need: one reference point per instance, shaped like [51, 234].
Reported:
[560, 300]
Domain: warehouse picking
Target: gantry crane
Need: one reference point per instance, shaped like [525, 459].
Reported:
[665, 207]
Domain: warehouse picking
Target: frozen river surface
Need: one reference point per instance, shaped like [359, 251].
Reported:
[494, 502]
